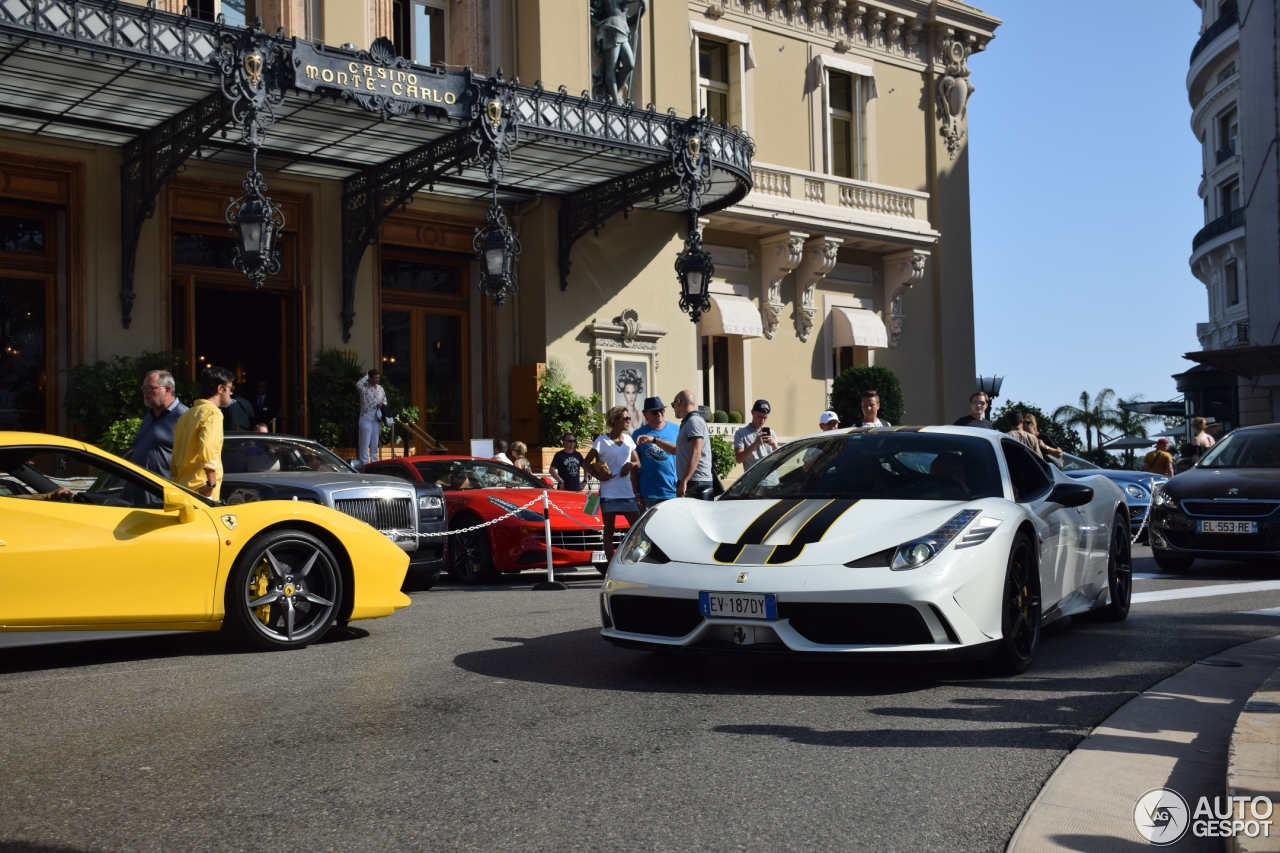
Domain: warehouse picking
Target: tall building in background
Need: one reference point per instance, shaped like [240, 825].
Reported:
[837, 213]
[1233, 88]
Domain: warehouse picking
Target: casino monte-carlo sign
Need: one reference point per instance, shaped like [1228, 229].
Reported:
[380, 81]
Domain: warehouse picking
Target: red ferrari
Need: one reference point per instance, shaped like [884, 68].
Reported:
[478, 490]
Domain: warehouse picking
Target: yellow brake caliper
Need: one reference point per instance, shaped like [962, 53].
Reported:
[258, 587]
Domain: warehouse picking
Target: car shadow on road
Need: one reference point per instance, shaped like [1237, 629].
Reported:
[19, 846]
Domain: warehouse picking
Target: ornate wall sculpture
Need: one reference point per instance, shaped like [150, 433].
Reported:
[901, 271]
[623, 347]
[616, 32]
[780, 254]
[819, 259]
[953, 88]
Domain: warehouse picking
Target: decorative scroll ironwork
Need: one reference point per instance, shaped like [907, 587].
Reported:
[495, 128]
[371, 194]
[109, 26]
[150, 160]
[691, 159]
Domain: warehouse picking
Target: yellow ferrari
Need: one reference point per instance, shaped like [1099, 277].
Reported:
[90, 542]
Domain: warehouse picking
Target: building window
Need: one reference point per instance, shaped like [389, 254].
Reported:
[1229, 197]
[419, 30]
[203, 10]
[713, 79]
[1226, 7]
[1231, 272]
[1228, 132]
[845, 119]
[315, 20]
[715, 372]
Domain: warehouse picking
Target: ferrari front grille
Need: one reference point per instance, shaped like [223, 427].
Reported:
[649, 614]
[835, 624]
[583, 539]
[381, 513]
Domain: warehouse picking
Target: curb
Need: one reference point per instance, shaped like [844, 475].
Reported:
[1253, 761]
[1176, 734]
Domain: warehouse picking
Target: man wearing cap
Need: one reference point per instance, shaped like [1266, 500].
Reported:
[1160, 460]
[754, 441]
[656, 446]
[827, 421]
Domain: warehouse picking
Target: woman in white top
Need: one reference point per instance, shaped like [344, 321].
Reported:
[617, 488]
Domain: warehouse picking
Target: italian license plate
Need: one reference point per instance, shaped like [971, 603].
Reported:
[598, 557]
[1218, 525]
[739, 605]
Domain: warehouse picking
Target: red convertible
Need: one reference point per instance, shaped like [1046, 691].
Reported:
[478, 490]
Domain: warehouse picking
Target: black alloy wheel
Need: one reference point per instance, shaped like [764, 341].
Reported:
[472, 554]
[283, 592]
[1019, 610]
[1119, 575]
[1168, 561]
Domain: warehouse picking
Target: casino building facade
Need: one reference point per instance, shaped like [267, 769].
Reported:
[827, 180]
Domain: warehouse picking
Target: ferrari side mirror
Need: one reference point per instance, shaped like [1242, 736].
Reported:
[1071, 494]
[176, 500]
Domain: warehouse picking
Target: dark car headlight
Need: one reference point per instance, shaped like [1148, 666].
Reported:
[1160, 498]
[430, 506]
[1135, 491]
[639, 548]
[917, 552]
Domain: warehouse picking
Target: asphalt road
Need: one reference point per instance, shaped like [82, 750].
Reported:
[496, 719]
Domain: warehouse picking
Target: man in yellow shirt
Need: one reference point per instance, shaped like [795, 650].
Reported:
[197, 436]
[1160, 460]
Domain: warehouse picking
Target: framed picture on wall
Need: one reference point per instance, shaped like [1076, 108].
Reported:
[630, 385]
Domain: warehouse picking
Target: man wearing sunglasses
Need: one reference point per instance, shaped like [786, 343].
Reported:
[197, 437]
[977, 416]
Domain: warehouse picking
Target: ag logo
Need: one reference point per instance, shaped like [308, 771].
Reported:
[1161, 816]
[229, 522]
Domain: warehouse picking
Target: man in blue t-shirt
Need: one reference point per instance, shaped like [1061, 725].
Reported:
[656, 446]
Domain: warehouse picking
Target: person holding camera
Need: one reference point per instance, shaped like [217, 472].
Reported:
[754, 441]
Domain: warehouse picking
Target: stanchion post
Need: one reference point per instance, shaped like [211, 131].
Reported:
[550, 582]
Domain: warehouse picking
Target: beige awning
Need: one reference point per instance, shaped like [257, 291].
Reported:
[857, 327]
[732, 315]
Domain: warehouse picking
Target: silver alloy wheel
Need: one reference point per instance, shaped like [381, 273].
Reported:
[291, 591]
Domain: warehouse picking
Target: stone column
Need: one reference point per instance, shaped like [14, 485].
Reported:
[779, 255]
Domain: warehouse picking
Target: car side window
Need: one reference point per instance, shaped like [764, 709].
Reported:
[78, 477]
[1028, 478]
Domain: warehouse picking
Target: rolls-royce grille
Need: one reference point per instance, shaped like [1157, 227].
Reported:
[1230, 509]
[384, 514]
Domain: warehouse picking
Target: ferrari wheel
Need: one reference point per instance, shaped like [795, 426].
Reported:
[472, 556]
[1119, 576]
[1020, 610]
[1172, 562]
[283, 592]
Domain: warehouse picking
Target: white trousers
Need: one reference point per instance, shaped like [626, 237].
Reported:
[367, 450]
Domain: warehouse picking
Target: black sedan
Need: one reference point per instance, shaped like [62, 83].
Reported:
[1227, 507]
[270, 466]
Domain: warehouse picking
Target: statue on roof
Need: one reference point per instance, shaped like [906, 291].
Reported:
[617, 45]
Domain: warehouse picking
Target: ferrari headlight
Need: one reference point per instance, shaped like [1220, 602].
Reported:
[639, 548]
[1159, 498]
[917, 552]
[1135, 491]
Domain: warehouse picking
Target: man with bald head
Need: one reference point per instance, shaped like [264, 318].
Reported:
[693, 449]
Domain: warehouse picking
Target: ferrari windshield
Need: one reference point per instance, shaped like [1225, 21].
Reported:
[259, 455]
[1247, 448]
[883, 466]
[464, 474]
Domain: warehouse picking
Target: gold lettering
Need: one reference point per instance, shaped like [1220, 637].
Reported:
[426, 93]
[413, 78]
[353, 68]
[312, 72]
[450, 98]
[368, 70]
[368, 83]
[382, 74]
[355, 81]
[411, 92]
[342, 78]
[436, 97]
[397, 89]
[327, 75]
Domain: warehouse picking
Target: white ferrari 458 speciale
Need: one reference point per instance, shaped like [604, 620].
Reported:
[949, 541]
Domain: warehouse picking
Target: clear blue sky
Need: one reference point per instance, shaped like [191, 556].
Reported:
[1083, 180]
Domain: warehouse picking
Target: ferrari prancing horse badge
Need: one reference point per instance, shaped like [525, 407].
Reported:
[229, 522]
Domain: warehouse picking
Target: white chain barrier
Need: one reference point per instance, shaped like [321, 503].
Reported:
[482, 524]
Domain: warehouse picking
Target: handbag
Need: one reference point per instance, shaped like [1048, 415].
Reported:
[600, 468]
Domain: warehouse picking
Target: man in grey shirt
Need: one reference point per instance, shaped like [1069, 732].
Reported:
[755, 441]
[693, 450]
[153, 445]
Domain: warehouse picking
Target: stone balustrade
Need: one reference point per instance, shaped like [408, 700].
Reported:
[777, 182]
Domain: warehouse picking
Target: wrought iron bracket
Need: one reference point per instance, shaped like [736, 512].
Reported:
[150, 160]
[588, 209]
[371, 194]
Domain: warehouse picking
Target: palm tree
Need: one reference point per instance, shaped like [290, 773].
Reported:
[1093, 414]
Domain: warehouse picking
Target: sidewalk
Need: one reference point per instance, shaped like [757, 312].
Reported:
[1253, 763]
[1175, 735]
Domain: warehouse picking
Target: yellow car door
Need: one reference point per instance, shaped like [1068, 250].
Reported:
[100, 549]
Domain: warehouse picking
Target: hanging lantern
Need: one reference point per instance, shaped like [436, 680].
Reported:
[256, 223]
[498, 250]
[694, 269]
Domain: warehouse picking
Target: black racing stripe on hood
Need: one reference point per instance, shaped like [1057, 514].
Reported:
[727, 552]
[813, 531]
[760, 528]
